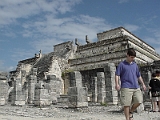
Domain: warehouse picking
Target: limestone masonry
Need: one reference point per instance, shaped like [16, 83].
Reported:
[76, 74]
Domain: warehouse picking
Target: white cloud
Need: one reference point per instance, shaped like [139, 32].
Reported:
[155, 40]
[46, 45]
[55, 30]
[12, 10]
[131, 28]
[124, 1]
[150, 40]
[48, 27]
[21, 54]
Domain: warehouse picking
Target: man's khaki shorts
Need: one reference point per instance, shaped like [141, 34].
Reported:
[130, 96]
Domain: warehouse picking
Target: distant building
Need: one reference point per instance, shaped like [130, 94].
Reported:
[42, 80]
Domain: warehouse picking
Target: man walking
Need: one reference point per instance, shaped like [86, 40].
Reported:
[128, 73]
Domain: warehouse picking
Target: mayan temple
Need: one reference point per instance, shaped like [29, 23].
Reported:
[77, 74]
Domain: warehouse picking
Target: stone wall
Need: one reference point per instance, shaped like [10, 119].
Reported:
[111, 49]
[120, 31]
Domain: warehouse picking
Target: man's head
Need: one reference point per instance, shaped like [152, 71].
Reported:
[131, 54]
[153, 75]
[157, 73]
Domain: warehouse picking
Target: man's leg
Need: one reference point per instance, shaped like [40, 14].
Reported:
[134, 107]
[158, 106]
[126, 98]
[126, 112]
[154, 106]
[137, 100]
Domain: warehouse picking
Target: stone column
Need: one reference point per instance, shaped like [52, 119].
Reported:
[18, 97]
[77, 94]
[31, 88]
[94, 89]
[42, 96]
[146, 75]
[53, 88]
[111, 93]
[66, 83]
[101, 93]
[3, 89]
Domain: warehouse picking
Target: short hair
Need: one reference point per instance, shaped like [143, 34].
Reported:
[157, 72]
[153, 74]
[131, 52]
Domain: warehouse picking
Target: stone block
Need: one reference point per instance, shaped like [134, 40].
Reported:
[109, 88]
[75, 79]
[19, 96]
[77, 97]
[39, 85]
[53, 97]
[41, 94]
[111, 93]
[51, 77]
[42, 97]
[111, 100]
[77, 91]
[34, 71]
[42, 86]
[101, 91]
[2, 101]
[76, 101]
[42, 102]
[63, 99]
[19, 102]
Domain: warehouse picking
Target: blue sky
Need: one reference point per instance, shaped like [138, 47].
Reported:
[27, 26]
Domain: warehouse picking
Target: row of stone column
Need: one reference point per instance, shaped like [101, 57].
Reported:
[43, 92]
[104, 83]
[102, 92]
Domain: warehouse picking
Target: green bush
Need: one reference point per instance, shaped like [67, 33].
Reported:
[103, 103]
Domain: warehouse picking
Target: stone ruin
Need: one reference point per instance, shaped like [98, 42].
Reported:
[4, 88]
[77, 74]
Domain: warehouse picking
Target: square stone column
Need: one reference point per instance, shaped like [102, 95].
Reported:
[77, 95]
[94, 90]
[42, 96]
[75, 79]
[111, 92]
[3, 91]
[31, 88]
[54, 88]
[101, 92]
[146, 75]
[18, 97]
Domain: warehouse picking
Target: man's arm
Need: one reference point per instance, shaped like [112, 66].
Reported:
[117, 86]
[141, 81]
